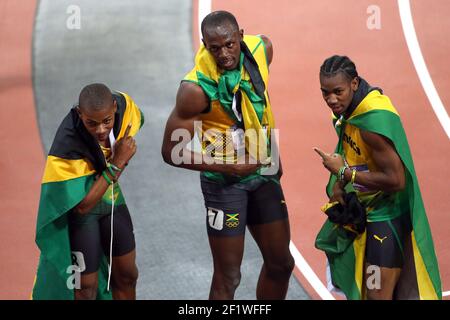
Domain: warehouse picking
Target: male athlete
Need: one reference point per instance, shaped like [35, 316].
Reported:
[226, 93]
[394, 258]
[81, 202]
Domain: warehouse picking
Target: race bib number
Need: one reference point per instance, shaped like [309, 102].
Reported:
[215, 218]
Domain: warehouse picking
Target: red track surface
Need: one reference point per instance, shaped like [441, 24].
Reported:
[22, 159]
[306, 32]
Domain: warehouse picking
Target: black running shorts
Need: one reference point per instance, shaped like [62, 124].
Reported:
[90, 237]
[230, 207]
[385, 241]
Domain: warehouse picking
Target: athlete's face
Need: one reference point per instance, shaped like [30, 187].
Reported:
[223, 42]
[100, 122]
[337, 91]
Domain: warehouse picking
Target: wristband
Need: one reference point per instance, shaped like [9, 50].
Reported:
[111, 170]
[115, 168]
[341, 172]
[106, 177]
[353, 176]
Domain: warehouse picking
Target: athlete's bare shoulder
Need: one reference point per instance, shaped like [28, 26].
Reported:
[191, 99]
[269, 48]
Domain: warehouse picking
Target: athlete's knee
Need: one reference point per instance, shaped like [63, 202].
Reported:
[227, 280]
[379, 294]
[88, 289]
[280, 267]
[126, 278]
[86, 294]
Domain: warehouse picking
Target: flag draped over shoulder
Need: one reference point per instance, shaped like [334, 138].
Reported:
[74, 160]
[345, 250]
[250, 80]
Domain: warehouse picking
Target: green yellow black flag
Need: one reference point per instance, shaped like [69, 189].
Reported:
[74, 160]
[420, 274]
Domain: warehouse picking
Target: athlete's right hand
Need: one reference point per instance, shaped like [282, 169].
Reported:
[244, 169]
[124, 149]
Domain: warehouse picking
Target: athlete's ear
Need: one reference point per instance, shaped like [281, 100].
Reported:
[77, 108]
[355, 83]
[241, 33]
[115, 105]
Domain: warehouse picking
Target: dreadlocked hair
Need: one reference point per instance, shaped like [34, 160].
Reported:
[335, 64]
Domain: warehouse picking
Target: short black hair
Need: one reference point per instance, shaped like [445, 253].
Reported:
[335, 64]
[218, 18]
[95, 96]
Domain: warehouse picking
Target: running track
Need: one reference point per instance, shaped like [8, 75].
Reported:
[22, 159]
[303, 33]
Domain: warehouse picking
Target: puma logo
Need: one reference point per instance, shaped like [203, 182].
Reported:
[379, 239]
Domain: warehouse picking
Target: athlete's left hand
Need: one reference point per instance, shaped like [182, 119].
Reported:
[333, 162]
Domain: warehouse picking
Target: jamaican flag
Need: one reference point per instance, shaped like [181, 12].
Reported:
[345, 250]
[237, 97]
[74, 160]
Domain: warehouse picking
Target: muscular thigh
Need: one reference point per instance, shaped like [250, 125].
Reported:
[384, 256]
[384, 246]
[226, 209]
[273, 240]
[123, 235]
[85, 243]
[266, 204]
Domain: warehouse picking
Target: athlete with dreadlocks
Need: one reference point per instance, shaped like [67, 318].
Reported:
[394, 257]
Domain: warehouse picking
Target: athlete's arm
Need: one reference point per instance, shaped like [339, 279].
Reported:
[124, 150]
[269, 48]
[269, 55]
[391, 174]
[94, 195]
[190, 102]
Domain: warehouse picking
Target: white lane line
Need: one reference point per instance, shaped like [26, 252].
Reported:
[419, 63]
[309, 274]
[446, 293]
[204, 8]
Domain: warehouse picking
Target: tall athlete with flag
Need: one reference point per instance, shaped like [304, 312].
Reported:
[393, 258]
[226, 93]
[81, 202]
